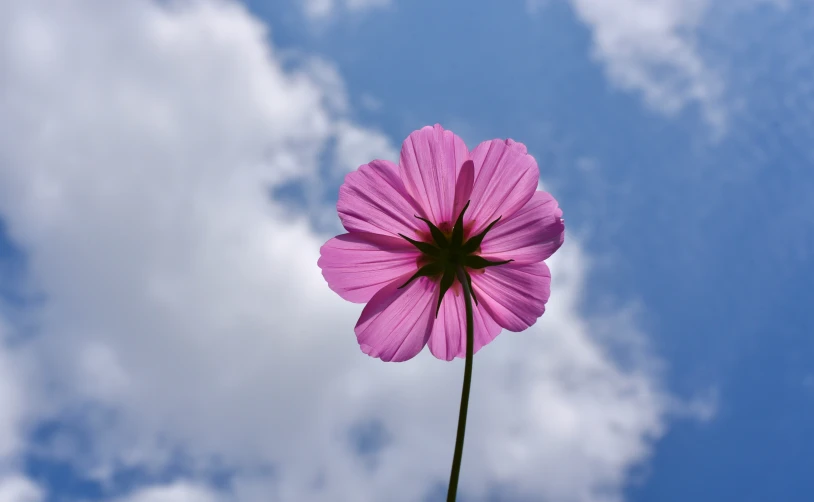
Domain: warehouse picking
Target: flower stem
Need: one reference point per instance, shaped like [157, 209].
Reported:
[470, 342]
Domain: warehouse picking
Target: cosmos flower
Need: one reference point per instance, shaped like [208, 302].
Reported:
[413, 226]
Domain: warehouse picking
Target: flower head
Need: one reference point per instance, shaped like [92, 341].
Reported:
[412, 226]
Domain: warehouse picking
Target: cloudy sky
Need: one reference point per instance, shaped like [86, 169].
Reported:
[169, 170]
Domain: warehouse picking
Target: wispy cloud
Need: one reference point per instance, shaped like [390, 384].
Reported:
[177, 492]
[14, 408]
[652, 47]
[17, 488]
[323, 9]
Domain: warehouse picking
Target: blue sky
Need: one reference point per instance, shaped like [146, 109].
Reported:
[157, 322]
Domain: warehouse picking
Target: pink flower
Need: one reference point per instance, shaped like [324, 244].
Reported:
[411, 226]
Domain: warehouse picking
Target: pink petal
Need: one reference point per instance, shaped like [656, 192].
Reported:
[530, 235]
[486, 328]
[517, 145]
[357, 265]
[505, 179]
[514, 295]
[448, 338]
[463, 187]
[396, 323]
[373, 199]
[430, 160]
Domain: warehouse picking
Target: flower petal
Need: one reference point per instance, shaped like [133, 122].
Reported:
[373, 199]
[429, 164]
[486, 328]
[448, 338]
[505, 179]
[514, 294]
[396, 323]
[530, 235]
[357, 265]
[517, 145]
[463, 187]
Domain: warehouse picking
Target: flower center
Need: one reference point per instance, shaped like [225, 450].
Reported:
[448, 252]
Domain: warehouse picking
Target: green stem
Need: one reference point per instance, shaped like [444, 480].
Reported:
[470, 342]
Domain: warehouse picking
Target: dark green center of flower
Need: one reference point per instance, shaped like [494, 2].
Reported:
[448, 253]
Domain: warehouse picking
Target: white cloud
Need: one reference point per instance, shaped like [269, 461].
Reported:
[19, 489]
[14, 487]
[177, 492]
[357, 145]
[650, 46]
[11, 400]
[185, 310]
[322, 9]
